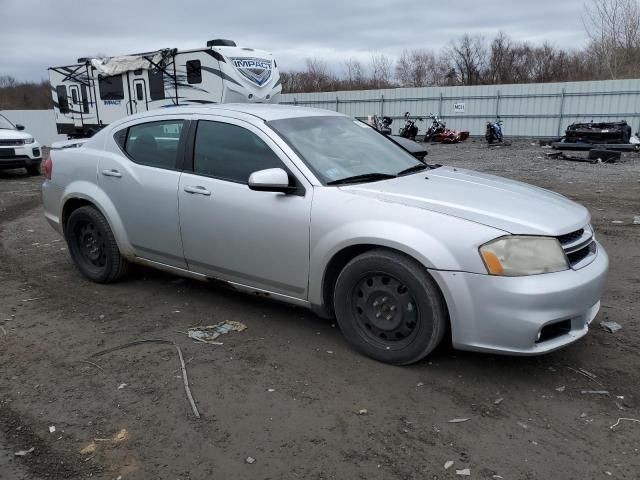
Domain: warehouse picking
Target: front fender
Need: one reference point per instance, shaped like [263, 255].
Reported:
[425, 248]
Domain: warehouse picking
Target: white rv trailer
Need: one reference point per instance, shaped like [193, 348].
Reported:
[97, 91]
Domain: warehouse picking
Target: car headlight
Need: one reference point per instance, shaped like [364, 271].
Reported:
[515, 256]
[28, 140]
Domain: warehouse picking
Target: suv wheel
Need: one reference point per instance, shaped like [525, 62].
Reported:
[93, 247]
[389, 308]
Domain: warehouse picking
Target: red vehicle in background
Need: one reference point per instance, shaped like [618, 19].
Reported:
[438, 132]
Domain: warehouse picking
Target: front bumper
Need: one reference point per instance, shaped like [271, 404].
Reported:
[506, 314]
[22, 156]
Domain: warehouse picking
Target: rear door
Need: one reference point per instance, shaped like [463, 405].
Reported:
[139, 92]
[76, 105]
[142, 182]
[259, 239]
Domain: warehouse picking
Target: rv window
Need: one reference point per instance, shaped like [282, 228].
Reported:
[74, 95]
[85, 101]
[111, 88]
[139, 93]
[156, 85]
[230, 152]
[63, 102]
[194, 72]
[154, 144]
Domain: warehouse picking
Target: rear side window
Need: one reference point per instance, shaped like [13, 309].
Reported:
[230, 152]
[139, 91]
[154, 144]
[63, 101]
[111, 88]
[74, 95]
[156, 85]
[194, 72]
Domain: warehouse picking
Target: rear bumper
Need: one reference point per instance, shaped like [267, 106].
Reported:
[505, 315]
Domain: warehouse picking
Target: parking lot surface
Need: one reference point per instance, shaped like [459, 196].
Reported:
[287, 392]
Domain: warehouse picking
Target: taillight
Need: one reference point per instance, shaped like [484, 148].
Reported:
[48, 167]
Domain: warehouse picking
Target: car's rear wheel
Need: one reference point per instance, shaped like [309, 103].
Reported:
[93, 247]
[389, 308]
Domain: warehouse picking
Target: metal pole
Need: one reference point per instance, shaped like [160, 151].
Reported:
[337, 102]
[440, 106]
[381, 105]
[559, 133]
[498, 103]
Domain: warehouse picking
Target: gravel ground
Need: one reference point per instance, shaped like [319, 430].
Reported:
[288, 390]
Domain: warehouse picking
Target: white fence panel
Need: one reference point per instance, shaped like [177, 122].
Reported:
[528, 110]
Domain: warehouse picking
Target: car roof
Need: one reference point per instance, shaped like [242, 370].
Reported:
[264, 111]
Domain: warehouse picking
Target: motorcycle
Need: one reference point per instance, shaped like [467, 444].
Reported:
[381, 124]
[438, 132]
[494, 133]
[410, 130]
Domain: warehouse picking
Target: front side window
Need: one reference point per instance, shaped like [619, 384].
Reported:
[336, 147]
[194, 72]
[111, 88]
[154, 144]
[230, 152]
[156, 85]
[63, 101]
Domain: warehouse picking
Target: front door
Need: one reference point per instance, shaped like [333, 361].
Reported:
[259, 239]
[142, 181]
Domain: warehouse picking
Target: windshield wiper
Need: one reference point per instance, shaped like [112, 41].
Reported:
[367, 177]
[415, 168]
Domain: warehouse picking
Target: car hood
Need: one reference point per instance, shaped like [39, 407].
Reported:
[508, 205]
[6, 134]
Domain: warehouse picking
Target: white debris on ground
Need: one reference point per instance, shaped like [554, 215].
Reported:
[250, 460]
[210, 333]
[448, 464]
[611, 327]
[465, 472]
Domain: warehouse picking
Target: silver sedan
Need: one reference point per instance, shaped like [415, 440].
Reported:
[318, 209]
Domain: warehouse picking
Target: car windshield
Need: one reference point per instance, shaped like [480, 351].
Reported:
[339, 148]
[6, 124]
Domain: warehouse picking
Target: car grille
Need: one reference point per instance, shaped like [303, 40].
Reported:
[579, 246]
[11, 143]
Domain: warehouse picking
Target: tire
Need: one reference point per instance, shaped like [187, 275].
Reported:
[389, 308]
[33, 170]
[93, 247]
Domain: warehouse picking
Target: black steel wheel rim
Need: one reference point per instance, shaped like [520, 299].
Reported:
[91, 244]
[385, 311]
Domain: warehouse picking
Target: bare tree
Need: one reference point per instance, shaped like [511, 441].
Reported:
[418, 68]
[469, 57]
[381, 67]
[613, 27]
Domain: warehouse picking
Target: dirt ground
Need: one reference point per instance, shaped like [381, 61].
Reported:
[288, 390]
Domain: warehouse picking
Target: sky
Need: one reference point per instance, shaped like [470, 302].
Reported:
[37, 34]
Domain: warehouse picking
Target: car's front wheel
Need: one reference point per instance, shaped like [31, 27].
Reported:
[389, 308]
[93, 247]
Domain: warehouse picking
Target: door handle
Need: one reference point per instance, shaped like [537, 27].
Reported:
[198, 190]
[111, 173]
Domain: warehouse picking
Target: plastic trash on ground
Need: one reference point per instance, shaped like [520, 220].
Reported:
[210, 333]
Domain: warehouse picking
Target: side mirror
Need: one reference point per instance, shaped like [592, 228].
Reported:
[19, 127]
[271, 180]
